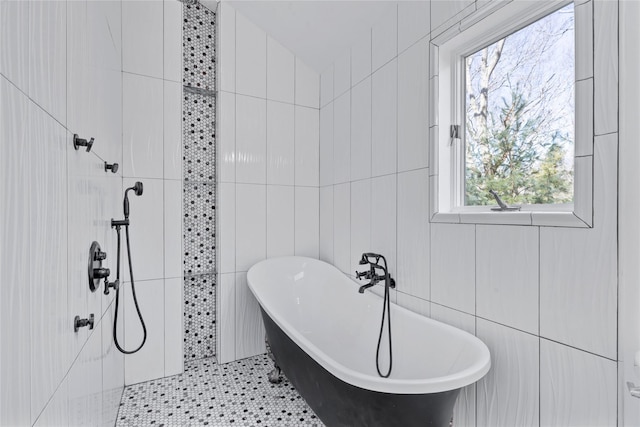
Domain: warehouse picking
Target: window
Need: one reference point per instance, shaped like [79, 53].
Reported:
[518, 115]
[508, 95]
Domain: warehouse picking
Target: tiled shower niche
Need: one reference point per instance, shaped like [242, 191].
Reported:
[199, 182]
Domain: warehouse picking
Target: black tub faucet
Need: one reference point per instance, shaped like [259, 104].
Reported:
[374, 263]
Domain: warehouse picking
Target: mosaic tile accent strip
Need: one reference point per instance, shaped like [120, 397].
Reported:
[199, 137]
[199, 46]
[199, 228]
[199, 316]
[233, 394]
[199, 181]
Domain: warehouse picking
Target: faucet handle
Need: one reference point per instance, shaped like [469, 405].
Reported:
[365, 274]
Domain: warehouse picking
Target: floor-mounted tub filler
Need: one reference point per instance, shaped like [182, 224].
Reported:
[323, 335]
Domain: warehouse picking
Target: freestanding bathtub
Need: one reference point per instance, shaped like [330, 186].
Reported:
[323, 335]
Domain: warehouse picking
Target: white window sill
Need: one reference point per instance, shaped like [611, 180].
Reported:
[537, 218]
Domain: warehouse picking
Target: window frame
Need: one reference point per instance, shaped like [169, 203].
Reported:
[447, 161]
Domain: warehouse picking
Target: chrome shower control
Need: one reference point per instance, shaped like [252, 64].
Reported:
[95, 270]
[81, 323]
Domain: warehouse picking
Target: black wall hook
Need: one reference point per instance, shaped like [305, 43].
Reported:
[80, 142]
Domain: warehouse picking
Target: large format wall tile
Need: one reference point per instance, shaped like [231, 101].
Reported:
[384, 36]
[226, 319]
[251, 58]
[307, 150]
[250, 332]
[307, 86]
[280, 221]
[413, 22]
[412, 107]
[361, 131]
[251, 140]
[14, 42]
[56, 413]
[507, 275]
[326, 145]
[576, 388]
[361, 58]
[14, 256]
[326, 224]
[413, 234]
[85, 384]
[509, 394]
[251, 223]
[48, 57]
[112, 367]
[578, 295]
[326, 86]
[142, 109]
[342, 139]
[51, 322]
[342, 227]
[142, 37]
[383, 219]
[226, 137]
[172, 37]
[342, 74]
[148, 363]
[280, 143]
[384, 120]
[173, 327]
[452, 266]
[280, 72]
[360, 223]
[307, 221]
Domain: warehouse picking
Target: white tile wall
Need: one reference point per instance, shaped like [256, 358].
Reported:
[67, 59]
[47, 57]
[149, 361]
[453, 276]
[307, 85]
[605, 67]
[251, 58]
[509, 394]
[383, 218]
[251, 139]
[361, 58]
[360, 228]
[576, 388]
[326, 224]
[412, 107]
[280, 72]
[173, 327]
[280, 143]
[226, 133]
[307, 221]
[173, 215]
[361, 130]
[226, 309]
[413, 22]
[342, 74]
[142, 37]
[226, 70]
[384, 36]
[142, 126]
[251, 223]
[342, 139]
[384, 119]
[280, 221]
[342, 227]
[307, 141]
[249, 324]
[226, 207]
[326, 145]
[326, 86]
[507, 275]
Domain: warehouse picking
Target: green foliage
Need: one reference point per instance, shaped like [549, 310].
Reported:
[516, 158]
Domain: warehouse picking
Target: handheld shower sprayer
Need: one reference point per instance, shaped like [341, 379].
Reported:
[117, 224]
[137, 189]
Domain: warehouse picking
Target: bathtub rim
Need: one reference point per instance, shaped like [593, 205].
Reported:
[457, 380]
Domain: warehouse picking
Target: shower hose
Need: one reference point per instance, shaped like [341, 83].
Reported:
[133, 292]
[386, 308]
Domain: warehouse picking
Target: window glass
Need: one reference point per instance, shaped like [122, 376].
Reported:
[519, 115]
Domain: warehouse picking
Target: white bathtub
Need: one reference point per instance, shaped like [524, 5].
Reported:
[320, 310]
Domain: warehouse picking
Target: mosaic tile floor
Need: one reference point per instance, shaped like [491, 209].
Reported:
[233, 394]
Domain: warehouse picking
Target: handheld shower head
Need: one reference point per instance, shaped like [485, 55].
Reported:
[137, 189]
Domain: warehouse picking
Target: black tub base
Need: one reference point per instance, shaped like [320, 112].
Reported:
[338, 403]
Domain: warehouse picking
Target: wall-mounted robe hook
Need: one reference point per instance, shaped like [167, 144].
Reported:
[79, 142]
[110, 167]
